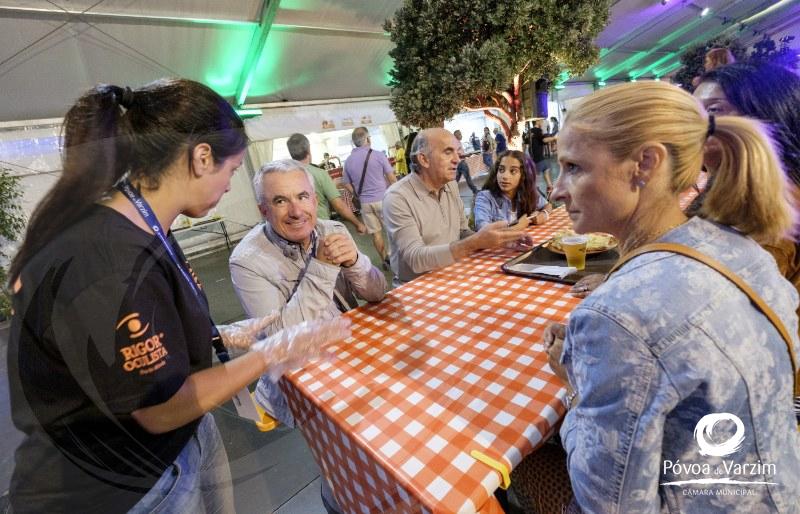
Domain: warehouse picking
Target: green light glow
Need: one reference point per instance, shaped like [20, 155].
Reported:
[249, 112]
[265, 77]
[672, 67]
[663, 65]
[638, 56]
[601, 83]
[223, 64]
[255, 50]
[638, 73]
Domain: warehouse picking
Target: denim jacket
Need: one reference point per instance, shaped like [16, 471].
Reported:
[663, 343]
[489, 208]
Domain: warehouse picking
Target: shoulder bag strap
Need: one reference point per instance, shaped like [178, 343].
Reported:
[730, 275]
[363, 173]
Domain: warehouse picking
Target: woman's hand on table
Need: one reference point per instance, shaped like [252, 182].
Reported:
[587, 284]
[554, 343]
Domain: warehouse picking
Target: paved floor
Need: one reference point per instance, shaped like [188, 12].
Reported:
[273, 472]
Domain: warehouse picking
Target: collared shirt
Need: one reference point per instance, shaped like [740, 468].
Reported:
[264, 274]
[325, 189]
[490, 208]
[374, 179]
[663, 343]
[421, 225]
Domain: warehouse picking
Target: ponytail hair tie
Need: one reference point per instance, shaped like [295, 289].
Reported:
[124, 96]
[712, 126]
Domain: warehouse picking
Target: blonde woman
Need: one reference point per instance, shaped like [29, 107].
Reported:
[667, 341]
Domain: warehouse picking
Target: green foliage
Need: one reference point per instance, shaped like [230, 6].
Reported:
[450, 52]
[765, 50]
[12, 223]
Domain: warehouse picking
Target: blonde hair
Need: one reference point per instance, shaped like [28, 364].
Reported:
[750, 190]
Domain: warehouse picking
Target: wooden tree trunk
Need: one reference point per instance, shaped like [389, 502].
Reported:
[509, 115]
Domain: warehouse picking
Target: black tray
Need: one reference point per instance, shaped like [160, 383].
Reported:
[540, 256]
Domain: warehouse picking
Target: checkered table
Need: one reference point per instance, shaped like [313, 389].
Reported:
[446, 364]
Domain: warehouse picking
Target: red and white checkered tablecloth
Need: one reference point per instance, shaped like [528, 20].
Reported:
[446, 364]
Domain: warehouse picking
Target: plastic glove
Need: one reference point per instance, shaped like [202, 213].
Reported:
[294, 346]
[242, 334]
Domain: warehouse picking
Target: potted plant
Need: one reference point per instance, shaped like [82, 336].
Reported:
[12, 224]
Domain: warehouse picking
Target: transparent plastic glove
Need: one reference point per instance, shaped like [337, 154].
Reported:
[294, 346]
[242, 334]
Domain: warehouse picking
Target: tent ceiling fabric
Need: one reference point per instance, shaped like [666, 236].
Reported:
[315, 49]
[646, 38]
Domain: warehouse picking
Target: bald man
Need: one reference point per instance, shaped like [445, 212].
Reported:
[424, 214]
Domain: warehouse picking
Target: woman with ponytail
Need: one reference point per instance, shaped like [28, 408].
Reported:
[111, 341]
[668, 361]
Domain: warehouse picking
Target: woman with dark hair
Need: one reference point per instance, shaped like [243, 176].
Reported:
[509, 193]
[110, 350]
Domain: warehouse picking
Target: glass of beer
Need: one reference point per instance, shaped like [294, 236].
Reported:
[575, 249]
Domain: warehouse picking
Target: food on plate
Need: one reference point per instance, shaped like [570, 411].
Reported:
[598, 242]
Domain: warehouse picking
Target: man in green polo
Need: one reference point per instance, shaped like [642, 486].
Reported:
[327, 194]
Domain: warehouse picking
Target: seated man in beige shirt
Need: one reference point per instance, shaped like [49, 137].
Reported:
[424, 214]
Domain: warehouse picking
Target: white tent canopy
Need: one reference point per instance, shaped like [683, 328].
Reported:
[260, 51]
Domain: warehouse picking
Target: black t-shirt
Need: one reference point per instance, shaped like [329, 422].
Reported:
[536, 144]
[105, 325]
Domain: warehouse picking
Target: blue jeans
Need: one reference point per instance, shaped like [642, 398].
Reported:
[463, 169]
[488, 159]
[197, 482]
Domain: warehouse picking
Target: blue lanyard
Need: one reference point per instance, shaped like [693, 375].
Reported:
[149, 217]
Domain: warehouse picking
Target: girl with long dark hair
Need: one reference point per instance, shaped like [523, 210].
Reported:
[510, 193]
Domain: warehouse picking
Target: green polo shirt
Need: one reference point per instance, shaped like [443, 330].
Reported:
[326, 191]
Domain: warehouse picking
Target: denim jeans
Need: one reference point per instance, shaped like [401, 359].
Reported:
[197, 482]
[463, 169]
[488, 159]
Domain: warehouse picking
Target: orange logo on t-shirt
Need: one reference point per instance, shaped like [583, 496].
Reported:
[134, 325]
[146, 356]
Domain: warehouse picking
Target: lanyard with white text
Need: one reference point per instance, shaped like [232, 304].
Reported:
[149, 217]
